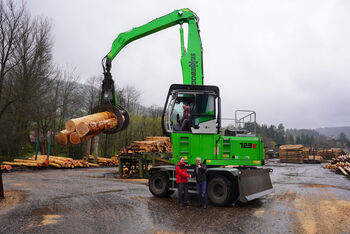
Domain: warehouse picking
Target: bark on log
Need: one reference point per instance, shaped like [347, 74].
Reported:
[347, 169]
[343, 171]
[22, 164]
[55, 164]
[93, 128]
[62, 137]
[88, 148]
[72, 123]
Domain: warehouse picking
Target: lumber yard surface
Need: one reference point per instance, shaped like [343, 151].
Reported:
[307, 199]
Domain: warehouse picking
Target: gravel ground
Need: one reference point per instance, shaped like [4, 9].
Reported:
[307, 199]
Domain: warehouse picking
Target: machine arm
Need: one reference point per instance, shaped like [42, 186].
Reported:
[191, 58]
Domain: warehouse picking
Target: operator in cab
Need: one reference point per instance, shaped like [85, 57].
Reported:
[185, 120]
[200, 173]
[182, 182]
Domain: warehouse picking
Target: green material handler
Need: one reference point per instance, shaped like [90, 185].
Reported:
[192, 119]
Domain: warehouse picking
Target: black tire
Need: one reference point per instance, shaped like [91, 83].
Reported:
[159, 184]
[220, 191]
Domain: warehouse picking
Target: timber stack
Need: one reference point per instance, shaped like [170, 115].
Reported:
[291, 153]
[54, 161]
[329, 154]
[81, 129]
[59, 162]
[298, 154]
[108, 162]
[151, 144]
[342, 164]
[5, 168]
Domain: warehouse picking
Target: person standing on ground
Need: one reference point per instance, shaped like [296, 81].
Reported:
[200, 172]
[181, 180]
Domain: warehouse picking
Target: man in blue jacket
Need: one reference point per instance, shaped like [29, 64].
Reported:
[200, 172]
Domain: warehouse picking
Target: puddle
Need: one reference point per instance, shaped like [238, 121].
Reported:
[111, 191]
[291, 174]
[325, 186]
[46, 216]
[50, 219]
[97, 176]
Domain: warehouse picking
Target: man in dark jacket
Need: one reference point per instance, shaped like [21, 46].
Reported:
[200, 173]
[181, 180]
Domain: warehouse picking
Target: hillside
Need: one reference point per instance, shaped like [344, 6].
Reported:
[334, 131]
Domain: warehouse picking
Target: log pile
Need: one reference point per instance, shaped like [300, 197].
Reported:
[328, 154]
[54, 161]
[342, 163]
[5, 168]
[81, 129]
[108, 162]
[151, 144]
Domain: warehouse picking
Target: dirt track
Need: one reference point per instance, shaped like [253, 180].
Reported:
[308, 199]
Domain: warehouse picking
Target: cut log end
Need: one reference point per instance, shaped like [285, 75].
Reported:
[74, 138]
[82, 129]
[70, 125]
[62, 137]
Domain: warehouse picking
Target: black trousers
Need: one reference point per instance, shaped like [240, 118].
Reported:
[182, 190]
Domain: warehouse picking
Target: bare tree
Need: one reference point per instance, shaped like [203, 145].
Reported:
[30, 78]
[11, 19]
[69, 93]
[92, 91]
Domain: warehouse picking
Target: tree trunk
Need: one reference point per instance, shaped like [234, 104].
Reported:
[74, 138]
[62, 137]
[96, 140]
[96, 127]
[72, 123]
[88, 149]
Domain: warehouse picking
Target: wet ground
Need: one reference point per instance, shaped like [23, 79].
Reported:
[307, 199]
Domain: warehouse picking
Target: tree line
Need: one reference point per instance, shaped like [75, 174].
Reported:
[38, 96]
[274, 136]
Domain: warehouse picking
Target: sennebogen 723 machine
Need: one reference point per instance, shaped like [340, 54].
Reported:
[234, 159]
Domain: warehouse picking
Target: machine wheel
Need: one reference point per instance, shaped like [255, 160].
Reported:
[220, 191]
[159, 185]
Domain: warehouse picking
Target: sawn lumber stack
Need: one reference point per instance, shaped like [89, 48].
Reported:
[298, 154]
[80, 129]
[151, 144]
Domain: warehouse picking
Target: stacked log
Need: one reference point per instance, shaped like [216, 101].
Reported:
[5, 168]
[151, 144]
[291, 153]
[81, 129]
[328, 154]
[105, 161]
[54, 161]
[342, 163]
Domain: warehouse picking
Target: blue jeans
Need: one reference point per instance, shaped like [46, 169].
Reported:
[202, 192]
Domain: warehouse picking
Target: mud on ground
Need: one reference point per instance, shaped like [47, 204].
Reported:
[307, 199]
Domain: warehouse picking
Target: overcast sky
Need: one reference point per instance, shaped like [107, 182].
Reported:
[287, 60]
